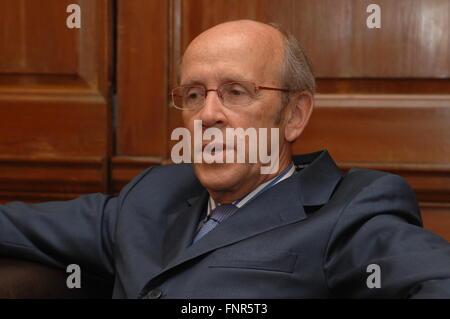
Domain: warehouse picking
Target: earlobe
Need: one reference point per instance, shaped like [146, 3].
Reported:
[301, 109]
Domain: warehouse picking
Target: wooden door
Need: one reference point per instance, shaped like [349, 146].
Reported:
[55, 92]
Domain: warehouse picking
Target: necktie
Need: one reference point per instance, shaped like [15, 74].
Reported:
[218, 214]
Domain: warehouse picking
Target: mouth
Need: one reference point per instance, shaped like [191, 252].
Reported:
[214, 148]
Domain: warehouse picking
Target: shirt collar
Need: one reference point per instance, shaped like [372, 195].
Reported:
[257, 191]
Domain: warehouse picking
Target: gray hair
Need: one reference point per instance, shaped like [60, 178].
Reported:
[296, 73]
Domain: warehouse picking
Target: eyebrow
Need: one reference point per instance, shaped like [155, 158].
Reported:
[226, 79]
[193, 82]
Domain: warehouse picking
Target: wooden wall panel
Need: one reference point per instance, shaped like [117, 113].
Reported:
[34, 39]
[55, 113]
[413, 41]
[142, 77]
[436, 218]
[328, 21]
[380, 129]
[45, 127]
[39, 179]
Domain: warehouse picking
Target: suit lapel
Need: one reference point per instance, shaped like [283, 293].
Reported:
[318, 177]
[274, 208]
[181, 232]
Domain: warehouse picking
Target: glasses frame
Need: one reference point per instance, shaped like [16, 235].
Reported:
[257, 88]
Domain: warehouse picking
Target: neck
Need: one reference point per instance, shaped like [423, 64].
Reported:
[242, 189]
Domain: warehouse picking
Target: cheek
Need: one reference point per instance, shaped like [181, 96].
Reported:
[252, 116]
[266, 114]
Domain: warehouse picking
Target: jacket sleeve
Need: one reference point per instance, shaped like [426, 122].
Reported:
[79, 231]
[382, 226]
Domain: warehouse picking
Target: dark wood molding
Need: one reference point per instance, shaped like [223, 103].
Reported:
[382, 86]
[175, 23]
[50, 178]
[383, 100]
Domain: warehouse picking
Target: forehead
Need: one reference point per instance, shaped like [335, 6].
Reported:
[219, 56]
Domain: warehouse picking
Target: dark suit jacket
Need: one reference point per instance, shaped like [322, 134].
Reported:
[310, 236]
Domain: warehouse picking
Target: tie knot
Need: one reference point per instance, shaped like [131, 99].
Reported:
[221, 212]
[218, 214]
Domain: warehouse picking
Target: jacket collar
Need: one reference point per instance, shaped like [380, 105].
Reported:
[318, 176]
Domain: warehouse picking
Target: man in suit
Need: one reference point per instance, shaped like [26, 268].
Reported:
[224, 230]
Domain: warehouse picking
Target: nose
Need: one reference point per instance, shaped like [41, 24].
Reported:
[211, 114]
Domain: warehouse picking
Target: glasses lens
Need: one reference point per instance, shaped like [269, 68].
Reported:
[237, 93]
[188, 97]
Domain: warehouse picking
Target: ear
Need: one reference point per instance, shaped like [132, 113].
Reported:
[300, 110]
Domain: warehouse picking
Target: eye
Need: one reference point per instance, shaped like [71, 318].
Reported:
[237, 92]
[193, 93]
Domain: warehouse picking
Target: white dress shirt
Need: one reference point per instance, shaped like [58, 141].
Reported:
[257, 191]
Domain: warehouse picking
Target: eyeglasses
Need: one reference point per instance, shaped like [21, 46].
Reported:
[191, 97]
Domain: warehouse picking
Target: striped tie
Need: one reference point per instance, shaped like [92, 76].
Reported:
[218, 214]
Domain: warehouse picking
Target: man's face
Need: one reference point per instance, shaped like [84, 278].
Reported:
[218, 58]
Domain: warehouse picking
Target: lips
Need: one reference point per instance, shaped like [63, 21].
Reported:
[216, 146]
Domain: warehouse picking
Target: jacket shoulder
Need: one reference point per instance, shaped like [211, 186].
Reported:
[358, 179]
[365, 193]
[165, 181]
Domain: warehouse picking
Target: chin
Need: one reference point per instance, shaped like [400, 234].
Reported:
[220, 177]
